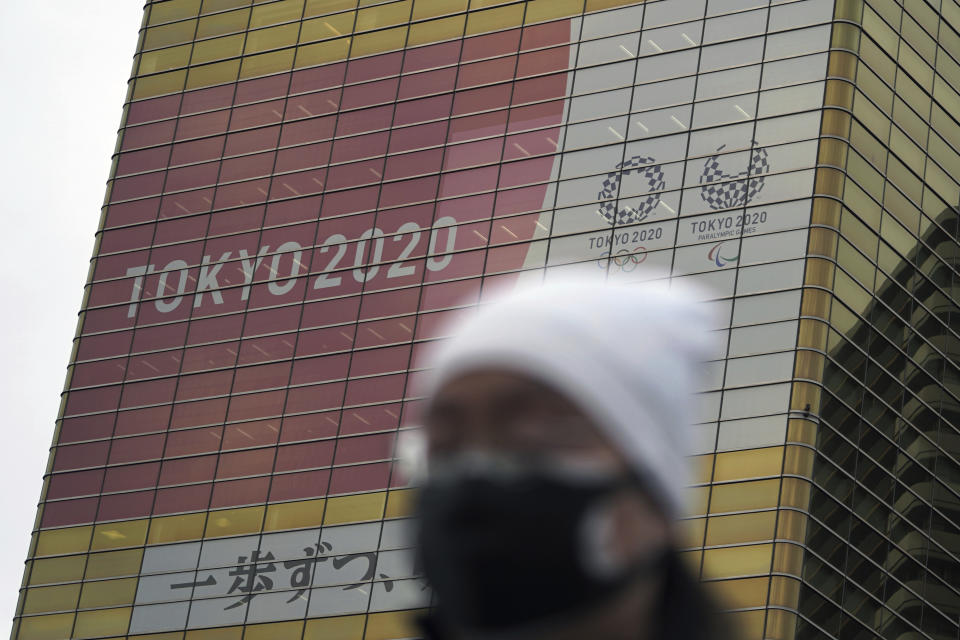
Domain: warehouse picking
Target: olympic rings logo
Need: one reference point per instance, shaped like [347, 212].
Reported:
[625, 259]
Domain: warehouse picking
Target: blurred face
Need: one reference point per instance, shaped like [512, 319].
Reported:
[499, 414]
[505, 413]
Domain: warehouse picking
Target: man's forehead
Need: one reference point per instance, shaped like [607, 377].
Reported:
[509, 412]
[499, 390]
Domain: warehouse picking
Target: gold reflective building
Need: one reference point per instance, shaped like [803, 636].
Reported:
[304, 193]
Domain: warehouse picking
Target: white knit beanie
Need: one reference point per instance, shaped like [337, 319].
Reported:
[628, 356]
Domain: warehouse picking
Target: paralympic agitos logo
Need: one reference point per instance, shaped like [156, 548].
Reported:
[716, 255]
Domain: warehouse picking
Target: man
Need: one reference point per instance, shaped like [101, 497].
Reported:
[554, 431]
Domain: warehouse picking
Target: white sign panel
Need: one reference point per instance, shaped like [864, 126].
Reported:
[278, 576]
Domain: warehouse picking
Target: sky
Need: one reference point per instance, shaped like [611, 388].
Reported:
[66, 65]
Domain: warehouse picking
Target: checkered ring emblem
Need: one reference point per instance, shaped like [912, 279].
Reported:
[644, 166]
[724, 190]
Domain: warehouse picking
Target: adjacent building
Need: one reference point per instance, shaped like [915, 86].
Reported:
[304, 195]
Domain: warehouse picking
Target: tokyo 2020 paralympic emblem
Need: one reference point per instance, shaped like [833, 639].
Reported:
[725, 190]
[644, 166]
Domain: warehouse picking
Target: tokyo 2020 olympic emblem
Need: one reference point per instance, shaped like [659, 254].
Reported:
[644, 166]
[725, 190]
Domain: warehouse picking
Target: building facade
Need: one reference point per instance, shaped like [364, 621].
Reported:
[305, 194]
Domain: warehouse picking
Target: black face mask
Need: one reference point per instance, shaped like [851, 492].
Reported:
[503, 551]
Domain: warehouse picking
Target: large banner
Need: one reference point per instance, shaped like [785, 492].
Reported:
[256, 309]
